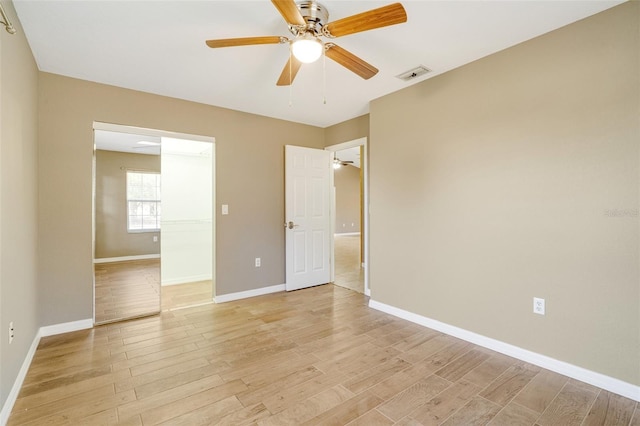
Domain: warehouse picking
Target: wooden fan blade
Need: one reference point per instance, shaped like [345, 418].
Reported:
[376, 18]
[289, 72]
[350, 61]
[245, 41]
[289, 11]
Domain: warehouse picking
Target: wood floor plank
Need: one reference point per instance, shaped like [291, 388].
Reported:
[106, 417]
[310, 408]
[184, 377]
[161, 399]
[372, 418]
[375, 375]
[428, 347]
[66, 391]
[509, 384]
[489, 370]
[514, 415]
[455, 370]
[402, 380]
[610, 410]
[93, 409]
[635, 420]
[383, 338]
[569, 407]
[478, 411]
[27, 413]
[159, 374]
[369, 356]
[413, 397]
[280, 400]
[347, 411]
[541, 390]
[205, 399]
[255, 394]
[208, 414]
[442, 406]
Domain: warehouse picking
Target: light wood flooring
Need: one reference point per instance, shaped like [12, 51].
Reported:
[348, 268]
[132, 289]
[314, 356]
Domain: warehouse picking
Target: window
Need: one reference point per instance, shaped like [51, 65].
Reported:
[143, 201]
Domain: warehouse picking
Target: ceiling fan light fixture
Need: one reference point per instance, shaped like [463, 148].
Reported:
[307, 49]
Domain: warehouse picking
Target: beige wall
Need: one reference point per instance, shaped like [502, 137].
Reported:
[18, 201]
[517, 176]
[252, 229]
[346, 180]
[346, 131]
[112, 238]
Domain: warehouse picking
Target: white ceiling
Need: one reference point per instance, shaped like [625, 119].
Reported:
[149, 145]
[158, 47]
[126, 142]
[349, 154]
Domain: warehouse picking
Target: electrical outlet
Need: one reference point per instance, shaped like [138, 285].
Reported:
[257, 262]
[155, 238]
[11, 332]
[538, 306]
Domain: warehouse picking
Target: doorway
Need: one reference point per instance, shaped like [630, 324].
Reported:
[153, 221]
[350, 213]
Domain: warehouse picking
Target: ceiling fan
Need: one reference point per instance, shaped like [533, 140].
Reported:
[337, 163]
[308, 22]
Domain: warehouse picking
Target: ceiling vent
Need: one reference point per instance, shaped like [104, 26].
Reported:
[414, 73]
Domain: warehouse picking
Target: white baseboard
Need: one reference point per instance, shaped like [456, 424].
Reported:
[17, 384]
[345, 234]
[187, 280]
[126, 258]
[42, 332]
[611, 384]
[52, 330]
[249, 293]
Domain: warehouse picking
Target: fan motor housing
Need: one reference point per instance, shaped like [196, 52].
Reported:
[315, 14]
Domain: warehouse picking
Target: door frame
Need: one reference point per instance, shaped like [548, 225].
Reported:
[364, 227]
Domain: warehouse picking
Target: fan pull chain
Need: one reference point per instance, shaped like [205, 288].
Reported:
[290, 82]
[324, 75]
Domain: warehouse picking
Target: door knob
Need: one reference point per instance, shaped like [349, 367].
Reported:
[291, 225]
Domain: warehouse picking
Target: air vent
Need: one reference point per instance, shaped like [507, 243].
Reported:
[414, 73]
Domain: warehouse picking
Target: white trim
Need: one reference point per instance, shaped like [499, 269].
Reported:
[249, 293]
[345, 234]
[22, 374]
[611, 384]
[346, 145]
[98, 125]
[67, 327]
[364, 227]
[17, 384]
[187, 280]
[126, 258]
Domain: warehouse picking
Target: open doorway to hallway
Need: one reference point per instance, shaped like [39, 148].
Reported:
[350, 215]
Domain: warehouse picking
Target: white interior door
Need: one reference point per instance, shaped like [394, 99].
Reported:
[308, 217]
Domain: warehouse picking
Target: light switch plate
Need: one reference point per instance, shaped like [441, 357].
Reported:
[225, 209]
